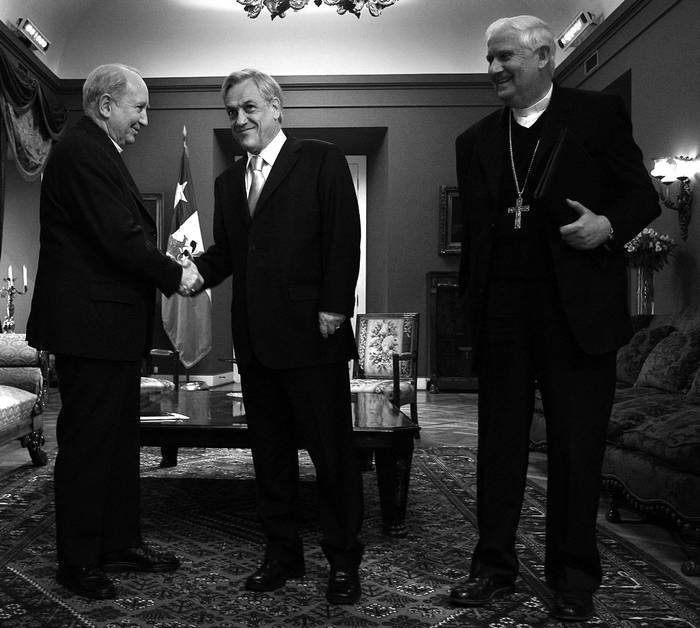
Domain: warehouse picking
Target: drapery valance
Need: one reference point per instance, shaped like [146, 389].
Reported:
[30, 118]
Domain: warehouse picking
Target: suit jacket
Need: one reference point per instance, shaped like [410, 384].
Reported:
[94, 294]
[592, 285]
[298, 255]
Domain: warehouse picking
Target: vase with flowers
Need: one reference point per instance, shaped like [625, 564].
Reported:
[647, 253]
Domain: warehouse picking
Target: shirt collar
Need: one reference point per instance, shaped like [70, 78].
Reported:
[272, 150]
[119, 148]
[527, 116]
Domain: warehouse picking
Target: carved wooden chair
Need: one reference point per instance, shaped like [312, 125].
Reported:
[387, 344]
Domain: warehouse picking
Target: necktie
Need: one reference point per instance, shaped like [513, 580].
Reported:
[256, 183]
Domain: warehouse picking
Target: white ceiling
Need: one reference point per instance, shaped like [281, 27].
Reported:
[175, 38]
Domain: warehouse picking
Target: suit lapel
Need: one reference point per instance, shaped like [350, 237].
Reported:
[131, 184]
[283, 165]
[557, 118]
[100, 136]
[240, 198]
[491, 153]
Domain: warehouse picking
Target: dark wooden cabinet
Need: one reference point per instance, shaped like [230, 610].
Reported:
[449, 344]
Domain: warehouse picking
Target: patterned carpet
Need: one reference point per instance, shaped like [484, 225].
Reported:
[204, 511]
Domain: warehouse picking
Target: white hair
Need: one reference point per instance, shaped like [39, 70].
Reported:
[534, 33]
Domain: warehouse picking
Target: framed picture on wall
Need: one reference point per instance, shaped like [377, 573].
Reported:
[154, 205]
[450, 237]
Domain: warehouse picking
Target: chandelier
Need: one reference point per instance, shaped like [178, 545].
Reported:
[278, 8]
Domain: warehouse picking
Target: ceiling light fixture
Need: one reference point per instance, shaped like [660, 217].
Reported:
[573, 33]
[32, 34]
[278, 8]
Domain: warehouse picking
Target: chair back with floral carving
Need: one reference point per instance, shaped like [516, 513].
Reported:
[387, 344]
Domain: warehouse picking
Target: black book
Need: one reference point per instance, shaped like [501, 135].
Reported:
[570, 172]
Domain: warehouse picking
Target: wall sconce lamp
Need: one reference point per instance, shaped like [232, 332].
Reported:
[573, 33]
[32, 35]
[681, 170]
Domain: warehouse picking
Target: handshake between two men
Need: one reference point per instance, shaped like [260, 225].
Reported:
[191, 281]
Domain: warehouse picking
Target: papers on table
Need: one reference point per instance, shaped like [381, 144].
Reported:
[168, 417]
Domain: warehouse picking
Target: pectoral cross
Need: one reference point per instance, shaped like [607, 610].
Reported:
[518, 211]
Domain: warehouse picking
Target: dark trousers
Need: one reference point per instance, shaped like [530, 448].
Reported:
[526, 340]
[311, 406]
[96, 477]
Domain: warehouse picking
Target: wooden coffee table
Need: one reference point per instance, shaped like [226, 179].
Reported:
[217, 419]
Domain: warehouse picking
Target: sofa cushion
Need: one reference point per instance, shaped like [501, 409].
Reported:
[673, 438]
[631, 357]
[631, 411]
[15, 406]
[693, 393]
[672, 363]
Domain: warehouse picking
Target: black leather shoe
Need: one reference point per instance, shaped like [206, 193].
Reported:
[86, 581]
[343, 586]
[480, 590]
[140, 559]
[273, 574]
[572, 606]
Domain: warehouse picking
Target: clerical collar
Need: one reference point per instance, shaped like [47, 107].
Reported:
[527, 116]
[270, 152]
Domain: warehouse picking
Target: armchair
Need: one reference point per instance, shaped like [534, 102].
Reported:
[387, 344]
[23, 394]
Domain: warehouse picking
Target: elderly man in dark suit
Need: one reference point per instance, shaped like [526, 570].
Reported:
[286, 226]
[547, 302]
[93, 307]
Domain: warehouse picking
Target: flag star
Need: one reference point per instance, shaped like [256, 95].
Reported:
[180, 193]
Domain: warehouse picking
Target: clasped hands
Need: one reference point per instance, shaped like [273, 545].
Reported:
[191, 281]
[589, 231]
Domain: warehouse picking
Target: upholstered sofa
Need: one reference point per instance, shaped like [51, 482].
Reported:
[23, 390]
[652, 459]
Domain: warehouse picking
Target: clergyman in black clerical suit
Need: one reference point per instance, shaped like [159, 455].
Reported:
[547, 307]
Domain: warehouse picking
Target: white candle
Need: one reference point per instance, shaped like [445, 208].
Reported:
[9, 273]
[24, 276]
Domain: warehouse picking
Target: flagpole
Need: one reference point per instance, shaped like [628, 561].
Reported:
[187, 320]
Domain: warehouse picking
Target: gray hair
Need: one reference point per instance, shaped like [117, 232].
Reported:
[533, 32]
[268, 87]
[110, 78]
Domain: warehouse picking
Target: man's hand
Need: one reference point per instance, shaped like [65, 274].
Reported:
[191, 280]
[329, 322]
[588, 232]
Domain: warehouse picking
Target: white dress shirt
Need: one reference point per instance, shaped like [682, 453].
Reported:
[269, 154]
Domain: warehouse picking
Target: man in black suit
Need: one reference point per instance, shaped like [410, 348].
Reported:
[286, 226]
[547, 304]
[93, 307]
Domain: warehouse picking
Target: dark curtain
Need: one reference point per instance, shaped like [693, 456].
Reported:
[31, 119]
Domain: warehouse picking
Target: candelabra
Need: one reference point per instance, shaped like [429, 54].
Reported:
[9, 292]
